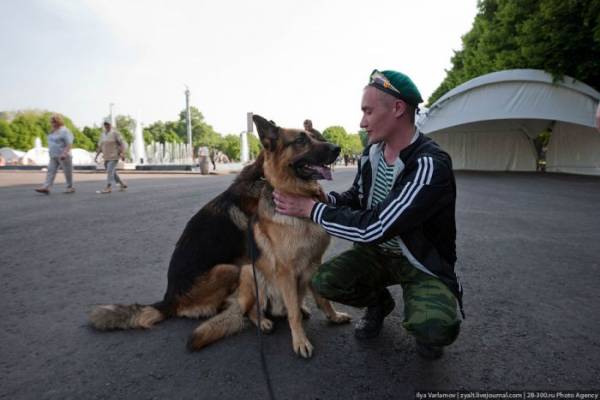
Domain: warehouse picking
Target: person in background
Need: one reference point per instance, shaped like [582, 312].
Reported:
[60, 140]
[308, 126]
[112, 147]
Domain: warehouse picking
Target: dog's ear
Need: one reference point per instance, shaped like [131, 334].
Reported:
[268, 132]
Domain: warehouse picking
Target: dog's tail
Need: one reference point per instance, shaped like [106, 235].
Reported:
[119, 316]
[228, 322]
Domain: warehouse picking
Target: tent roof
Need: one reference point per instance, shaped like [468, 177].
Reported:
[524, 94]
[523, 75]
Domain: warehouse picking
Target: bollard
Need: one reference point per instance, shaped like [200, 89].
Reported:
[203, 161]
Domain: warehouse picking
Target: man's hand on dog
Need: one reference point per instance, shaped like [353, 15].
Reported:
[292, 205]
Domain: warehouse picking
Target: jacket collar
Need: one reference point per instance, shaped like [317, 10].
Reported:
[407, 153]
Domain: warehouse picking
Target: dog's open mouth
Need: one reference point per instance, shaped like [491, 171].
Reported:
[313, 172]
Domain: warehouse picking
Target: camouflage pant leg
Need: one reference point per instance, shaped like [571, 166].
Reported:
[355, 277]
[429, 307]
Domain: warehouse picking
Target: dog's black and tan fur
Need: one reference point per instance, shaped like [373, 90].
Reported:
[205, 264]
[290, 248]
[210, 271]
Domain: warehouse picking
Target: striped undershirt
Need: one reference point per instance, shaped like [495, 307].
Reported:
[384, 180]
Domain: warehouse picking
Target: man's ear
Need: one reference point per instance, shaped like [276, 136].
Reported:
[268, 132]
[400, 108]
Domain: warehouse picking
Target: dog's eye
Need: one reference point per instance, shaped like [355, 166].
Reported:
[300, 140]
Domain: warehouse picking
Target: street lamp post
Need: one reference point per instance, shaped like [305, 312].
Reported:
[189, 123]
[112, 118]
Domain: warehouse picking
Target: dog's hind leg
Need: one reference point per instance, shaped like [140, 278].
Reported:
[209, 292]
[227, 322]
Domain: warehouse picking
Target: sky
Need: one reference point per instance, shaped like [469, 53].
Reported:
[285, 60]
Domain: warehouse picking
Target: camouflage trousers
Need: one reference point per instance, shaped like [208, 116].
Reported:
[358, 277]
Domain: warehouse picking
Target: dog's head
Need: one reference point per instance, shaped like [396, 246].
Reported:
[303, 154]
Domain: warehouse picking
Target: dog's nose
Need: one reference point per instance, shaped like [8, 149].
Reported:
[336, 150]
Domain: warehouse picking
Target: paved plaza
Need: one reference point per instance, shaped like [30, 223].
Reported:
[529, 259]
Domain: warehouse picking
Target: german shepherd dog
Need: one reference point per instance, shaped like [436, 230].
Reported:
[210, 273]
[205, 265]
[290, 249]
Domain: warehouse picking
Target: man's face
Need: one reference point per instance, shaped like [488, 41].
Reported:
[307, 125]
[106, 127]
[379, 115]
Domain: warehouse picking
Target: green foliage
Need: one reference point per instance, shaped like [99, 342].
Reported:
[161, 132]
[26, 128]
[364, 139]
[125, 124]
[254, 145]
[93, 133]
[354, 145]
[351, 144]
[202, 133]
[7, 136]
[28, 125]
[561, 37]
[230, 145]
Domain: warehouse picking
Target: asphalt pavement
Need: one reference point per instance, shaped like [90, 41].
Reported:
[528, 256]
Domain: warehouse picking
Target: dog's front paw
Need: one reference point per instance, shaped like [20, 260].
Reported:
[340, 318]
[303, 347]
[266, 325]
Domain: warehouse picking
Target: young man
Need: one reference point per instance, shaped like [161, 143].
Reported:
[400, 214]
[112, 147]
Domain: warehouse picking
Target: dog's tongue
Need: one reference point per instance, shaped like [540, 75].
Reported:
[324, 171]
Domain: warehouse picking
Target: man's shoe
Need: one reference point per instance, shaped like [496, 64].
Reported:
[42, 190]
[429, 352]
[69, 190]
[371, 323]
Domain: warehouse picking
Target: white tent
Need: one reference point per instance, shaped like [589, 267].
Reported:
[11, 156]
[489, 122]
[40, 156]
[36, 156]
[82, 157]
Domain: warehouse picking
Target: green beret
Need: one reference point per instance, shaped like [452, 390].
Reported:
[397, 84]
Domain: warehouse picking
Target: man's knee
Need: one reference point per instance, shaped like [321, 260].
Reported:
[324, 283]
[434, 331]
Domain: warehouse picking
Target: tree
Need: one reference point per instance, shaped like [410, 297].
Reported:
[336, 135]
[202, 133]
[230, 145]
[561, 37]
[161, 132]
[26, 129]
[7, 136]
[125, 124]
[254, 145]
[354, 144]
[93, 133]
[364, 139]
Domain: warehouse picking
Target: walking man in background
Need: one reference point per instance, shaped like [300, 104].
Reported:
[60, 140]
[400, 214]
[112, 147]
